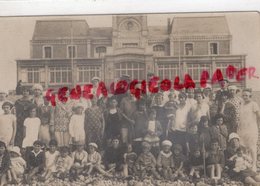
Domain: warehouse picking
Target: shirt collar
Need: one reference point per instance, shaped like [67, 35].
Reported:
[36, 154]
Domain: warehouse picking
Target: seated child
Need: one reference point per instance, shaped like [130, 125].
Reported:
[35, 161]
[153, 133]
[196, 162]
[178, 160]
[50, 159]
[4, 163]
[242, 161]
[63, 163]
[165, 160]
[94, 161]
[243, 168]
[80, 160]
[129, 158]
[114, 157]
[215, 160]
[146, 163]
[18, 164]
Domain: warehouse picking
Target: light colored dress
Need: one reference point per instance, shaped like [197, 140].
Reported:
[76, 127]
[6, 127]
[32, 130]
[51, 160]
[248, 129]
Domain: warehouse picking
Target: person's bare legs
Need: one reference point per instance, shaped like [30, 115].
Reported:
[192, 171]
[249, 180]
[218, 171]
[257, 178]
[253, 151]
[211, 171]
[3, 180]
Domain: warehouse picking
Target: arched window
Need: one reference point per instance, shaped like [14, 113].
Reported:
[101, 51]
[158, 48]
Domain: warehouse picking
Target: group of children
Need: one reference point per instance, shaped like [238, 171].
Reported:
[163, 145]
[41, 163]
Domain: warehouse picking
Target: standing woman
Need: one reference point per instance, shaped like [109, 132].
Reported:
[113, 120]
[94, 124]
[7, 124]
[248, 129]
[60, 119]
[43, 112]
[22, 111]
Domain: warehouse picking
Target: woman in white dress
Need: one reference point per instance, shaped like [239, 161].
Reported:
[7, 124]
[248, 129]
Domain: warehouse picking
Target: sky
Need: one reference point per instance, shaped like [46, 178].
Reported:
[16, 33]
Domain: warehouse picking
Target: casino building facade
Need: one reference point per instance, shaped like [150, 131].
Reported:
[69, 52]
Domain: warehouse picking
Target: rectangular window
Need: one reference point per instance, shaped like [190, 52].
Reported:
[86, 73]
[168, 71]
[134, 70]
[101, 51]
[188, 49]
[71, 51]
[195, 70]
[60, 75]
[223, 68]
[47, 52]
[33, 75]
[213, 48]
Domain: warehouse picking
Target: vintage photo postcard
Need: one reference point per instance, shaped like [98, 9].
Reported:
[130, 99]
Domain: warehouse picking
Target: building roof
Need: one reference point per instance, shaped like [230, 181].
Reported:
[100, 32]
[55, 29]
[200, 25]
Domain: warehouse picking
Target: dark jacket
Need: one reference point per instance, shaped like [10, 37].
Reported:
[5, 163]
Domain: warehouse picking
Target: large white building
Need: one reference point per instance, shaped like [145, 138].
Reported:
[69, 52]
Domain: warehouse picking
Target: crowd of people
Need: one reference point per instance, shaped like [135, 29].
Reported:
[169, 135]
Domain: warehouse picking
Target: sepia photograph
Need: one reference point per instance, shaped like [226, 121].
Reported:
[131, 99]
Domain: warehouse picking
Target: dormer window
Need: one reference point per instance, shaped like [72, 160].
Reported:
[101, 51]
[213, 48]
[47, 51]
[188, 49]
[71, 51]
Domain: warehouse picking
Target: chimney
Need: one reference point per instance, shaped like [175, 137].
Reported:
[169, 26]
